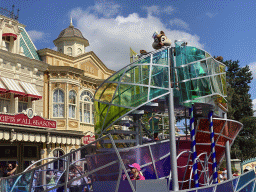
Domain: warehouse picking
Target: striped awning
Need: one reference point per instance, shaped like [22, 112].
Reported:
[2, 87]
[30, 90]
[12, 86]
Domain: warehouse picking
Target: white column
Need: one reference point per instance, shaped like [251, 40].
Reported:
[16, 104]
[34, 105]
[12, 110]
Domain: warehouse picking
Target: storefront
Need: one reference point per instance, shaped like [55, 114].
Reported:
[26, 137]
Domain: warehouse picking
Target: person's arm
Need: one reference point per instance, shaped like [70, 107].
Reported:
[12, 171]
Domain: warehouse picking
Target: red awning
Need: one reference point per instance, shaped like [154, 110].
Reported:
[11, 35]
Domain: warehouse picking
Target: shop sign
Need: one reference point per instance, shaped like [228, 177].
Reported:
[88, 139]
[24, 120]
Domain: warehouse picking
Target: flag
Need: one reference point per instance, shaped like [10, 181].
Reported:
[133, 56]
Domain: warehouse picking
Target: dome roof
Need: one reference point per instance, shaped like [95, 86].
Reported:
[71, 32]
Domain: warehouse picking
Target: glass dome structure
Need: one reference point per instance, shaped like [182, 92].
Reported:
[194, 75]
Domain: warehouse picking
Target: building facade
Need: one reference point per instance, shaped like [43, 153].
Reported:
[70, 81]
[25, 135]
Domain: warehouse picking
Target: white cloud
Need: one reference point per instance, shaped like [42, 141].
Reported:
[211, 15]
[179, 23]
[36, 35]
[252, 67]
[110, 38]
[254, 106]
[156, 10]
[106, 9]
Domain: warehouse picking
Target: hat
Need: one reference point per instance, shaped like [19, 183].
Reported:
[135, 165]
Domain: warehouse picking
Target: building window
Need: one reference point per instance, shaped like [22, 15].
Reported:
[58, 103]
[72, 104]
[7, 40]
[86, 107]
[79, 51]
[69, 51]
[5, 102]
[23, 104]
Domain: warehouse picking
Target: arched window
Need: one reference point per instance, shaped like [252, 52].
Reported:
[69, 51]
[58, 103]
[79, 51]
[72, 104]
[86, 107]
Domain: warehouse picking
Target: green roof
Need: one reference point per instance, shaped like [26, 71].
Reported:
[28, 46]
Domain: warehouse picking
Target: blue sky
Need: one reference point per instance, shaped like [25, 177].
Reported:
[225, 28]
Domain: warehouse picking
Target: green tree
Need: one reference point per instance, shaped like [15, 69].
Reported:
[238, 80]
[241, 109]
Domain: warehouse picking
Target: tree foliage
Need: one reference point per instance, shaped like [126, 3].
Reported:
[241, 109]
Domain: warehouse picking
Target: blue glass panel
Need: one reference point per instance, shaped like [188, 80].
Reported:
[245, 179]
[235, 183]
[210, 189]
[248, 188]
[156, 92]
[163, 167]
[225, 187]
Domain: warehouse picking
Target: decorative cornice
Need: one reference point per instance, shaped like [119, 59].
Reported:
[16, 58]
[46, 51]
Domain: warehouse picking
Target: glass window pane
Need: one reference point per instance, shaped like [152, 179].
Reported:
[61, 110]
[55, 96]
[86, 93]
[159, 76]
[61, 97]
[108, 92]
[55, 110]
[161, 57]
[72, 97]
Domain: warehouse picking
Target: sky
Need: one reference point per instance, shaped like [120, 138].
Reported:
[222, 28]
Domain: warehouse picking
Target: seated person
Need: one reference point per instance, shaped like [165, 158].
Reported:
[136, 174]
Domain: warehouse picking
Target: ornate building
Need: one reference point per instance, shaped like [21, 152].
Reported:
[25, 135]
[71, 80]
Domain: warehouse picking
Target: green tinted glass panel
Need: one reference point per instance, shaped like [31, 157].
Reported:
[159, 76]
[123, 95]
[117, 76]
[137, 74]
[101, 111]
[145, 74]
[185, 89]
[130, 95]
[210, 66]
[113, 114]
[154, 92]
[129, 76]
[197, 69]
[194, 54]
[108, 92]
[161, 57]
[223, 81]
[101, 90]
[145, 60]
[222, 68]
[218, 80]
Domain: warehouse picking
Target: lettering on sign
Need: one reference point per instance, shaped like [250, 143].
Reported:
[88, 139]
[23, 119]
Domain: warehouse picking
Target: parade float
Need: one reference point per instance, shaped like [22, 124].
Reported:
[137, 110]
